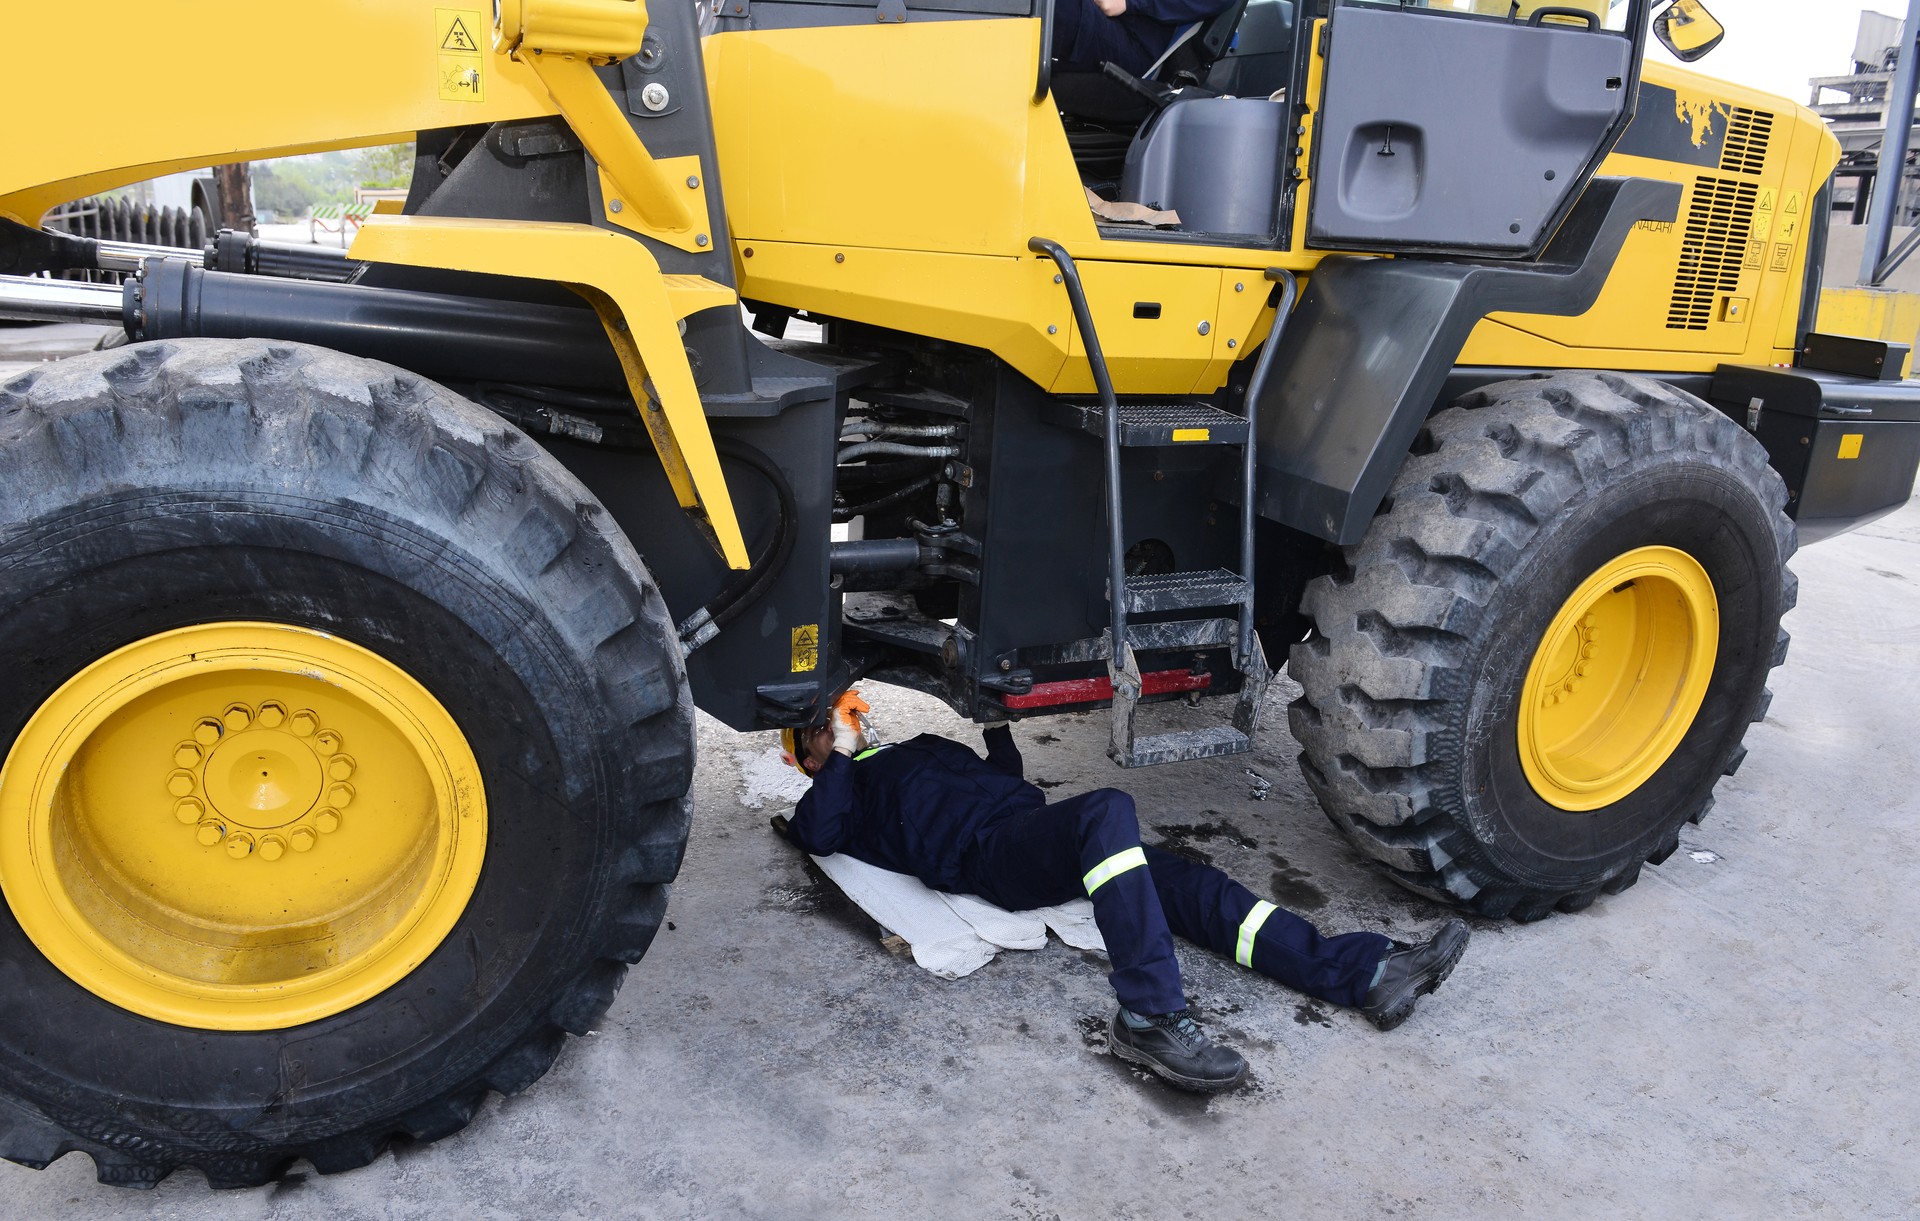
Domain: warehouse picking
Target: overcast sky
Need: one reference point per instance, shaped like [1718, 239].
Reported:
[1777, 44]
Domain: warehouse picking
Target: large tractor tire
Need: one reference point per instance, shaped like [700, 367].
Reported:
[1549, 645]
[347, 756]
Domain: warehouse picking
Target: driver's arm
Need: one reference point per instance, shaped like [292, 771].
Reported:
[819, 822]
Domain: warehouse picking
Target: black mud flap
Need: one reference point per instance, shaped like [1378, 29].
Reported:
[1370, 347]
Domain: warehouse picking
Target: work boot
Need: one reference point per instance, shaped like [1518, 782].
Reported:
[1409, 972]
[1172, 1046]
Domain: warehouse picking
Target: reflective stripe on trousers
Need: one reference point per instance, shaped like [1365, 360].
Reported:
[1118, 863]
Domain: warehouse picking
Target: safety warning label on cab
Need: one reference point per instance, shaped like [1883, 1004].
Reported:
[806, 648]
[457, 33]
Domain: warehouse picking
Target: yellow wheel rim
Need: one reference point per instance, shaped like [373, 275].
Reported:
[1618, 678]
[240, 826]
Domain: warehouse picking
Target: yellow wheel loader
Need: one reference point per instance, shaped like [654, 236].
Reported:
[355, 611]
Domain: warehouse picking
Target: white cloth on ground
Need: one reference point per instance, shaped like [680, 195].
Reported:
[955, 935]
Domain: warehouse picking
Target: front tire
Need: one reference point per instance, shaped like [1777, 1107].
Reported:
[1547, 649]
[216, 553]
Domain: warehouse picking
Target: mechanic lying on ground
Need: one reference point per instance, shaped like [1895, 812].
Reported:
[934, 809]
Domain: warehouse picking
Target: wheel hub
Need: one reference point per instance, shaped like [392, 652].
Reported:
[262, 780]
[1617, 678]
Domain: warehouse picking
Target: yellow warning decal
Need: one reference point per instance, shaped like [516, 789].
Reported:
[1191, 434]
[1850, 444]
[806, 648]
[1793, 202]
[457, 33]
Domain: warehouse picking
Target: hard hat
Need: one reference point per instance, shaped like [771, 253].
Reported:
[790, 750]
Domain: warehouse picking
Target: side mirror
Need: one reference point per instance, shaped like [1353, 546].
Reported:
[1687, 29]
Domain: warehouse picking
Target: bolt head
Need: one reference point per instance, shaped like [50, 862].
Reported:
[340, 767]
[272, 715]
[188, 811]
[700, 239]
[187, 754]
[302, 839]
[839, 258]
[326, 742]
[615, 205]
[1239, 288]
[272, 848]
[1233, 343]
[1205, 327]
[237, 717]
[328, 821]
[340, 795]
[210, 833]
[207, 732]
[239, 846]
[180, 783]
[1052, 329]
[654, 97]
[693, 182]
[303, 723]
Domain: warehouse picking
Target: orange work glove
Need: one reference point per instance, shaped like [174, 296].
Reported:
[846, 720]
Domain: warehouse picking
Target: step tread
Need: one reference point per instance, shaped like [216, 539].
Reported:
[1207, 743]
[1165, 591]
[1147, 424]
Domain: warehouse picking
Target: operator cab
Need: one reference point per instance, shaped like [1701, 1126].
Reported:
[1210, 134]
[1202, 134]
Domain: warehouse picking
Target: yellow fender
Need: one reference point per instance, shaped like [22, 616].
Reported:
[640, 308]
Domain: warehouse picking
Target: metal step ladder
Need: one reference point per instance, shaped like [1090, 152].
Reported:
[1209, 589]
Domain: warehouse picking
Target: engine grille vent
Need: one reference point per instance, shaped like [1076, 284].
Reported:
[1747, 135]
[1719, 223]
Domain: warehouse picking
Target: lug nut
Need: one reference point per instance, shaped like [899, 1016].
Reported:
[328, 821]
[340, 795]
[210, 833]
[207, 732]
[340, 767]
[188, 811]
[327, 742]
[272, 848]
[273, 714]
[239, 846]
[187, 754]
[180, 783]
[303, 723]
[302, 839]
[237, 717]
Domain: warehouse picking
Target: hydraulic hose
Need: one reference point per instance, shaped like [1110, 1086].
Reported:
[895, 449]
[730, 603]
[870, 428]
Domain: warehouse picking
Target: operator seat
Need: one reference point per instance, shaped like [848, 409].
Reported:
[1103, 113]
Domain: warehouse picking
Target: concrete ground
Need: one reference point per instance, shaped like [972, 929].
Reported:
[1734, 1037]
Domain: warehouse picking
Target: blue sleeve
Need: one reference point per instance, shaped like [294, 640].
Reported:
[1177, 12]
[819, 822]
[1002, 753]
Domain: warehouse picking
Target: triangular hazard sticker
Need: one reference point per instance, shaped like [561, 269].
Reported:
[458, 38]
[1793, 202]
[1766, 202]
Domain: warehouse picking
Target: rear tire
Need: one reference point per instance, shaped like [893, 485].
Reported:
[1413, 679]
[161, 486]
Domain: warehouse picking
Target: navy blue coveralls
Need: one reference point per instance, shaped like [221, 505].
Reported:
[934, 809]
[1084, 37]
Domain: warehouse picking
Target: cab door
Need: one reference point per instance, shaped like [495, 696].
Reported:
[1447, 129]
